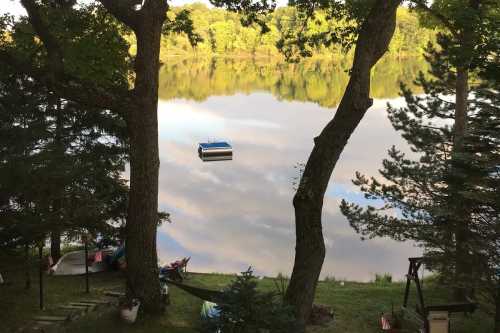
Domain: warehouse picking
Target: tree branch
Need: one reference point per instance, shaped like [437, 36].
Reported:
[42, 30]
[124, 11]
[72, 88]
[420, 4]
[55, 77]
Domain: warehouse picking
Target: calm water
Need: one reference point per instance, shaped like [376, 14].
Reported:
[233, 214]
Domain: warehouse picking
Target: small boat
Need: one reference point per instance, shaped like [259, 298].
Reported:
[215, 151]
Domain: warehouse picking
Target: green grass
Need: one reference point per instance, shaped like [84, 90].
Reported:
[357, 306]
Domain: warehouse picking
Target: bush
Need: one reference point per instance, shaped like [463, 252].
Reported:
[385, 278]
[244, 309]
[330, 279]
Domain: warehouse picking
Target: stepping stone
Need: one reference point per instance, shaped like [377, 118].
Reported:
[81, 308]
[114, 294]
[97, 301]
[74, 313]
[40, 324]
[90, 307]
[43, 327]
[51, 319]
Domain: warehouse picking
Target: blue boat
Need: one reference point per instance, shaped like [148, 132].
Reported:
[215, 151]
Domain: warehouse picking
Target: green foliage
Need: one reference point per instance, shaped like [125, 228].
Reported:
[444, 195]
[244, 309]
[182, 23]
[251, 12]
[385, 278]
[69, 162]
[222, 32]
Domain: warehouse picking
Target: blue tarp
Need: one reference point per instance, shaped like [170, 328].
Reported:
[209, 311]
[215, 145]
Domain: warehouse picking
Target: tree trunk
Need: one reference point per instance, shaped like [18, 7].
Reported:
[55, 245]
[141, 117]
[460, 215]
[57, 160]
[497, 310]
[142, 120]
[373, 41]
[27, 268]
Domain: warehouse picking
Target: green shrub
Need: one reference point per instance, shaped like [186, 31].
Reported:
[330, 279]
[385, 278]
[244, 309]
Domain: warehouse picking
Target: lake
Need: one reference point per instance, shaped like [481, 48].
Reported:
[233, 214]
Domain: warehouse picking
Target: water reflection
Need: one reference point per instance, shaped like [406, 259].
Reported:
[233, 214]
[320, 81]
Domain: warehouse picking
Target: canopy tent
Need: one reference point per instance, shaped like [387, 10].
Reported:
[73, 263]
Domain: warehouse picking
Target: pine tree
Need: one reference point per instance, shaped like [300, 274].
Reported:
[61, 161]
[444, 197]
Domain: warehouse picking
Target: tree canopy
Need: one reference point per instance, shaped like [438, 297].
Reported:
[223, 33]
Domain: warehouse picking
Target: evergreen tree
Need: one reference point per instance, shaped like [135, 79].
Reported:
[84, 65]
[444, 196]
[61, 161]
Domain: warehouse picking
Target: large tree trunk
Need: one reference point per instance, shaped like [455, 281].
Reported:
[55, 245]
[27, 267]
[373, 41]
[460, 215]
[142, 120]
[57, 160]
[497, 310]
[141, 116]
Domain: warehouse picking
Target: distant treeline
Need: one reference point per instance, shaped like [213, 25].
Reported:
[223, 34]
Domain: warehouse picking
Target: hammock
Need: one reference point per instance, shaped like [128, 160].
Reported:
[210, 295]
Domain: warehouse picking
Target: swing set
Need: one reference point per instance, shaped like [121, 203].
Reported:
[425, 313]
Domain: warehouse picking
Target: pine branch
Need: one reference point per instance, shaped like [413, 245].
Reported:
[421, 4]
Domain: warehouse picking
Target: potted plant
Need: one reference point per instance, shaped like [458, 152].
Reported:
[129, 309]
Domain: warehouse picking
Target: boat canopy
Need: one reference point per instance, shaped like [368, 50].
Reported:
[215, 145]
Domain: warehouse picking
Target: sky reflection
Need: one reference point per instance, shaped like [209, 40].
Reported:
[232, 214]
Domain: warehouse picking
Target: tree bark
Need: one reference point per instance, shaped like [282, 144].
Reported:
[142, 120]
[55, 245]
[58, 181]
[373, 41]
[27, 267]
[461, 214]
[497, 310]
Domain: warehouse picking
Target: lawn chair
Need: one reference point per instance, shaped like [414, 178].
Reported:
[176, 270]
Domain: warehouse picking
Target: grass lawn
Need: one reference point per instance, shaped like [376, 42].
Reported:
[357, 306]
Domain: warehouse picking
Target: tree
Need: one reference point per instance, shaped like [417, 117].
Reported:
[482, 165]
[211, 24]
[137, 105]
[371, 29]
[374, 33]
[413, 202]
[67, 165]
[468, 27]
[446, 197]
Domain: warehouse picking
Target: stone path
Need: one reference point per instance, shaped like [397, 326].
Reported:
[66, 313]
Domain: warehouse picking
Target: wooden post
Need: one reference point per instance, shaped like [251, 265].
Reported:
[40, 271]
[87, 289]
[408, 283]
[27, 284]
